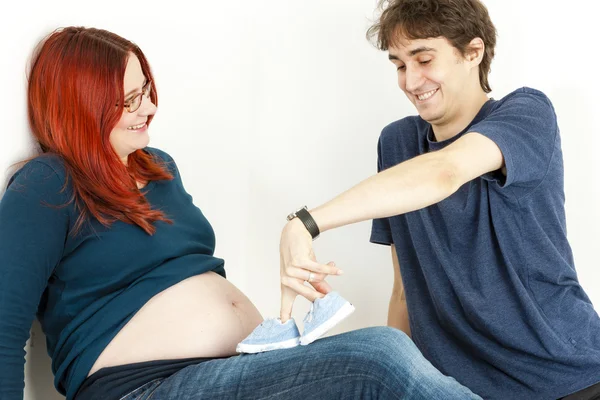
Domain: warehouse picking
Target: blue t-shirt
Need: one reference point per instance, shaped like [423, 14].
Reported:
[489, 278]
[85, 288]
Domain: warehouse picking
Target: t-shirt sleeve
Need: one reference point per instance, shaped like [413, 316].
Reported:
[524, 127]
[33, 232]
[381, 232]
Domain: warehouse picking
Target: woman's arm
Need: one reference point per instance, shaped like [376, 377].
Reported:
[32, 237]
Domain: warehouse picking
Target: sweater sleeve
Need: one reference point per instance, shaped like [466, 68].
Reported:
[33, 231]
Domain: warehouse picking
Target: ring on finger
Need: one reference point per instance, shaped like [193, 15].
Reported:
[311, 277]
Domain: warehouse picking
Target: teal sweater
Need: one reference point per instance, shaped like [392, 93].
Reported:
[84, 289]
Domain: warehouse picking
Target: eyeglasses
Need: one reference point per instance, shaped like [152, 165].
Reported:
[133, 104]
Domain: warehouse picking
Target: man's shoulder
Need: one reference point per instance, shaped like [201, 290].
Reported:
[406, 127]
[525, 96]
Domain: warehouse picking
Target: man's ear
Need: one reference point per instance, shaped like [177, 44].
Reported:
[475, 51]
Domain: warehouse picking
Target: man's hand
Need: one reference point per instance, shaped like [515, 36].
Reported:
[298, 265]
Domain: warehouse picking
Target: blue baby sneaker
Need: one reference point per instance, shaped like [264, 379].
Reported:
[324, 314]
[271, 334]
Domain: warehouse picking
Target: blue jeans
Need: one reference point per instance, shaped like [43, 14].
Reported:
[371, 363]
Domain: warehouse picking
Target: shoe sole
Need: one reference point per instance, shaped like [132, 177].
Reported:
[339, 316]
[259, 348]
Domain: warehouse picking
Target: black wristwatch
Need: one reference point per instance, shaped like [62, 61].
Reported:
[308, 221]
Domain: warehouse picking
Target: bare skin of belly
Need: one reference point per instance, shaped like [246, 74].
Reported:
[202, 316]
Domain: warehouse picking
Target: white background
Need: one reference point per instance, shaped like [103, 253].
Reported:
[270, 105]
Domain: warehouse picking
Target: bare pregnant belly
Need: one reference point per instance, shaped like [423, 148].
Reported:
[202, 316]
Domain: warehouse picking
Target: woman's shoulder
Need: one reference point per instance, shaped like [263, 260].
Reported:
[161, 154]
[42, 177]
[163, 158]
[47, 168]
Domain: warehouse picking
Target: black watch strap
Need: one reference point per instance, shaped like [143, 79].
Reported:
[308, 221]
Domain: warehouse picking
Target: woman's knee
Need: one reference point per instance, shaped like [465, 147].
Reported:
[389, 339]
[377, 347]
[393, 351]
[387, 332]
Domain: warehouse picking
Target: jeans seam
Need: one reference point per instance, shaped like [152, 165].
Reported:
[152, 392]
[141, 387]
[334, 377]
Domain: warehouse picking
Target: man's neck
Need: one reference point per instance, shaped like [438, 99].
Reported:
[469, 109]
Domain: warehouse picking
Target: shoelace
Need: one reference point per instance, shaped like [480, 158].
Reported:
[309, 316]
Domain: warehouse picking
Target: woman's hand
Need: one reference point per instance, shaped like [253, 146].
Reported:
[298, 265]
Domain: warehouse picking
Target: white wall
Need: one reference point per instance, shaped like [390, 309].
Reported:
[271, 105]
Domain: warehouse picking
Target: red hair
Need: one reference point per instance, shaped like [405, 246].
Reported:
[76, 80]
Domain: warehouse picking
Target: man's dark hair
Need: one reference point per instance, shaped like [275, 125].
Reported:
[459, 21]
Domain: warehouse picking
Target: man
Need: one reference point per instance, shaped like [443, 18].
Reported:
[470, 197]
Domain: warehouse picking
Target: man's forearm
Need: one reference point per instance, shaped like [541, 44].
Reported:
[409, 186]
[398, 314]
